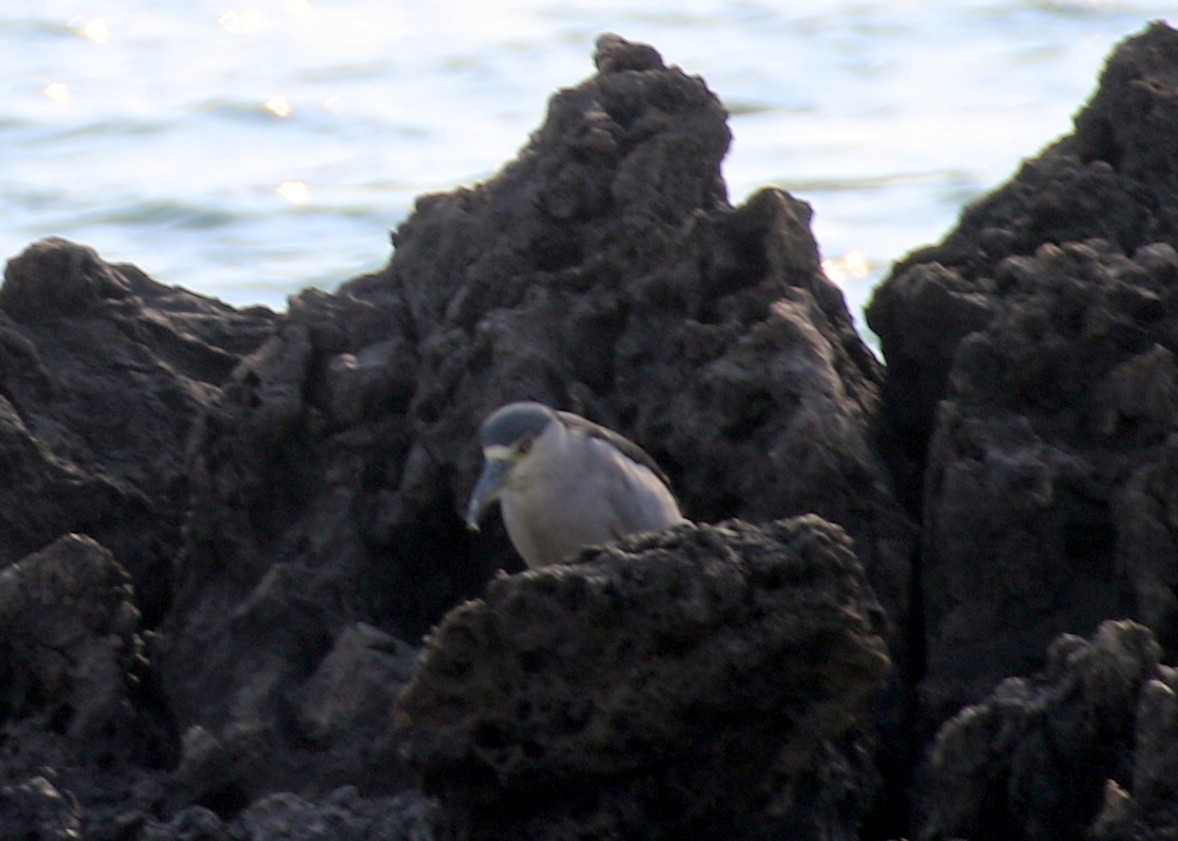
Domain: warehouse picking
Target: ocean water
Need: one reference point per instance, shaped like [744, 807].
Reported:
[247, 150]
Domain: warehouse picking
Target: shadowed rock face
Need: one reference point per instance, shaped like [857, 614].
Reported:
[102, 372]
[341, 815]
[72, 638]
[602, 271]
[1057, 440]
[78, 729]
[1044, 757]
[679, 684]
[1112, 179]
[1032, 393]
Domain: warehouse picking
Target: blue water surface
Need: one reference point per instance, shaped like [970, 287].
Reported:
[248, 150]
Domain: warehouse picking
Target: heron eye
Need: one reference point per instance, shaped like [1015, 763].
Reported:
[525, 444]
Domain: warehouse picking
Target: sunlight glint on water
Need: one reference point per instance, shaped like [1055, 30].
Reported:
[247, 150]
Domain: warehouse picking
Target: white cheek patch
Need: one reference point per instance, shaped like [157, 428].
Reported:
[498, 452]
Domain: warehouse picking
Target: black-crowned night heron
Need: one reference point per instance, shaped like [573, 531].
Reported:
[564, 482]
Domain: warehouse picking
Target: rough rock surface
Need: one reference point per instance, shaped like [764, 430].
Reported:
[1143, 804]
[602, 271]
[36, 809]
[72, 701]
[343, 815]
[71, 640]
[1032, 393]
[102, 372]
[1051, 756]
[681, 684]
[1111, 179]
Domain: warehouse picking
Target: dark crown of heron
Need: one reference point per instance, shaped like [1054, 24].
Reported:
[513, 422]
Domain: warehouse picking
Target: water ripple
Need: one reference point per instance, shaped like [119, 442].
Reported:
[176, 128]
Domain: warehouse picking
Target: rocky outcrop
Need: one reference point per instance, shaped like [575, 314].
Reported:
[683, 684]
[1031, 395]
[1109, 180]
[343, 815]
[78, 727]
[1141, 804]
[1056, 754]
[602, 271]
[72, 648]
[1056, 440]
[102, 372]
[285, 501]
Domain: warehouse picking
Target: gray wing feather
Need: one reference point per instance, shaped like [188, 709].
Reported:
[622, 443]
[637, 505]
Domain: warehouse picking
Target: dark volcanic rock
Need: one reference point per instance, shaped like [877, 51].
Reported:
[341, 714]
[602, 271]
[102, 372]
[68, 629]
[1045, 757]
[342, 815]
[36, 811]
[1032, 392]
[79, 735]
[1057, 444]
[1143, 806]
[1112, 179]
[683, 684]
